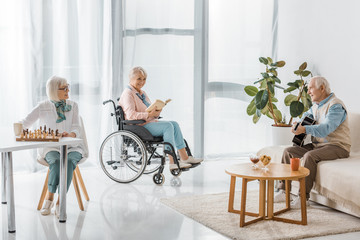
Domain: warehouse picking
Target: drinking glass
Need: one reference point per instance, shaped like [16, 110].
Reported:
[254, 159]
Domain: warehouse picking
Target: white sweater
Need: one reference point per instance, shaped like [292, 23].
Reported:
[45, 112]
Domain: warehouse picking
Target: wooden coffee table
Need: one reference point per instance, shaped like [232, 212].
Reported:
[277, 171]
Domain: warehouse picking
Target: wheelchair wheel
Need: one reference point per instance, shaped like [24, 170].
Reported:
[119, 153]
[176, 172]
[152, 165]
[159, 178]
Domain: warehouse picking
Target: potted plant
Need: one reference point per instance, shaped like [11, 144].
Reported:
[302, 102]
[264, 99]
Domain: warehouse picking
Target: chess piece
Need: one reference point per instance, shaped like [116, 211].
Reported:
[57, 132]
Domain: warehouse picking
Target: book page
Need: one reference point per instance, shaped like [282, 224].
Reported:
[158, 105]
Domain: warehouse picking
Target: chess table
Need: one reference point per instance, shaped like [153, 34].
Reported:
[8, 144]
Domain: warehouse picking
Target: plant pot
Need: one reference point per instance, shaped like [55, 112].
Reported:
[282, 135]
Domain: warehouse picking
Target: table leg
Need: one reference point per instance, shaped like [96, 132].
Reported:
[232, 194]
[3, 178]
[287, 191]
[270, 199]
[243, 202]
[10, 194]
[63, 185]
[303, 201]
[262, 194]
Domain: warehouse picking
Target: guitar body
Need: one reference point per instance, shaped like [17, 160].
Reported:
[299, 139]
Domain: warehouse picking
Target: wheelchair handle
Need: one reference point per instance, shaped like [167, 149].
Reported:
[107, 101]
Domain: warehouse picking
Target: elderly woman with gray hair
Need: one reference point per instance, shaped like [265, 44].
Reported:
[57, 113]
[134, 102]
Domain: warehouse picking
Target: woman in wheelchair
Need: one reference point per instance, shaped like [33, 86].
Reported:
[134, 102]
[57, 113]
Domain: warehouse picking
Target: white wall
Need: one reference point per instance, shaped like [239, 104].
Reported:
[326, 34]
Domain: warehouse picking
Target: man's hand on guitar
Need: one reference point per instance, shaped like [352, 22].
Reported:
[299, 129]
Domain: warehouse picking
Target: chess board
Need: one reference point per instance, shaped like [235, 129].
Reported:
[39, 135]
[46, 139]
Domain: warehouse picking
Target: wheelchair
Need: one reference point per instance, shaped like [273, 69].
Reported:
[131, 151]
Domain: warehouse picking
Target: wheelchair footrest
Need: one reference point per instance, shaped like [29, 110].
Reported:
[195, 165]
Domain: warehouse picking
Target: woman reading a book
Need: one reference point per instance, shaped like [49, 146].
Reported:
[135, 102]
[62, 114]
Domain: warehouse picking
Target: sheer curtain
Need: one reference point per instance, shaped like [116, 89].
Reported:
[159, 36]
[67, 38]
[239, 33]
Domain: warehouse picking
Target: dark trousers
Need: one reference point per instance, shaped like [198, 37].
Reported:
[311, 156]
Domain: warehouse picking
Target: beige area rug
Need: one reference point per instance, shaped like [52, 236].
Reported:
[211, 211]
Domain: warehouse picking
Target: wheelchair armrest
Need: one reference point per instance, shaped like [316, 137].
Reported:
[133, 122]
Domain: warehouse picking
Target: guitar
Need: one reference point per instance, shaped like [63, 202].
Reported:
[299, 139]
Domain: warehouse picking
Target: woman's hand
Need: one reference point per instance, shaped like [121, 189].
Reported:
[154, 113]
[66, 134]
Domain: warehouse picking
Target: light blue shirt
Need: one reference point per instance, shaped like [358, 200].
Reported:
[335, 116]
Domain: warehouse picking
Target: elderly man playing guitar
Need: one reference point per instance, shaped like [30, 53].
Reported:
[330, 135]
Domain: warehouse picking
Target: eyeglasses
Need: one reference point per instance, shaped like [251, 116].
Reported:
[67, 88]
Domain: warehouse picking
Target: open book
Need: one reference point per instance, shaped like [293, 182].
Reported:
[158, 105]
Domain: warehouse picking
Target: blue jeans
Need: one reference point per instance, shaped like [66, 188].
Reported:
[169, 130]
[53, 159]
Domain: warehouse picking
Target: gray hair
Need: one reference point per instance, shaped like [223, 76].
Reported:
[52, 86]
[136, 70]
[321, 81]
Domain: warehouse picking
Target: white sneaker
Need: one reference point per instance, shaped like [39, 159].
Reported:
[57, 211]
[46, 210]
[280, 196]
[296, 203]
[174, 166]
[192, 160]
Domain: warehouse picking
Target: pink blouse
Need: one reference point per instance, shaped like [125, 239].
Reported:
[133, 106]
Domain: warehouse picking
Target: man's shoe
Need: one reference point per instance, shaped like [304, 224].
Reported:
[46, 210]
[174, 166]
[296, 203]
[280, 196]
[192, 160]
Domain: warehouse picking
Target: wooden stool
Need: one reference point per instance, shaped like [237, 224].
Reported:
[76, 178]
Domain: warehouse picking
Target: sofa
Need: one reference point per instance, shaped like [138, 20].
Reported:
[337, 183]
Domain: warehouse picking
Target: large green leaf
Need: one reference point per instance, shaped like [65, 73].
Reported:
[263, 60]
[263, 85]
[250, 110]
[276, 79]
[259, 81]
[255, 118]
[271, 87]
[289, 99]
[280, 63]
[270, 60]
[278, 115]
[261, 99]
[305, 73]
[303, 66]
[265, 75]
[297, 72]
[296, 108]
[251, 90]
[289, 89]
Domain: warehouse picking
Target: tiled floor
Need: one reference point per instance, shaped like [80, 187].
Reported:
[121, 211]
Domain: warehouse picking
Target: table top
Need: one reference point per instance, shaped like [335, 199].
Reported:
[8, 142]
[277, 171]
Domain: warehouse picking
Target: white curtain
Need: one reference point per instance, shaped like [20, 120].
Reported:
[67, 38]
[239, 33]
[158, 35]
